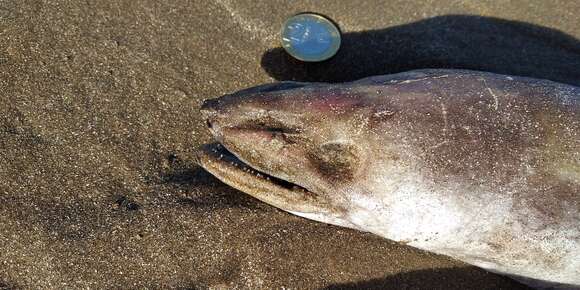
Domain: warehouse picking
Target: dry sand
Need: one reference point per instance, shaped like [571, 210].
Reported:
[99, 121]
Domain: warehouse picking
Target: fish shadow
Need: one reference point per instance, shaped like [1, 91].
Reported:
[452, 41]
[445, 279]
[212, 194]
[188, 177]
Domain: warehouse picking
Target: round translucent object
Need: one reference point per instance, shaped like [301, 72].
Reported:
[310, 37]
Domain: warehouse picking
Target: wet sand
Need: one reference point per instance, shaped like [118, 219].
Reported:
[99, 121]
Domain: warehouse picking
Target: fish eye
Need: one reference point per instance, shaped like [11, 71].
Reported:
[337, 160]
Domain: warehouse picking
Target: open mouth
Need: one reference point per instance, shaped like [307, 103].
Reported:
[216, 159]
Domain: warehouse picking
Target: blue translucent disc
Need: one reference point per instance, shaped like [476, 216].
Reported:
[310, 37]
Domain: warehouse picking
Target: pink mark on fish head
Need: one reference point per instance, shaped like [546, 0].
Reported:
[334, 102]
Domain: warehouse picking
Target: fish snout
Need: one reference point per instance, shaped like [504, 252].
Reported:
[210, 113]
[209, 108]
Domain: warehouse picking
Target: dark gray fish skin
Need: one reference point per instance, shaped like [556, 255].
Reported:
[482, 167]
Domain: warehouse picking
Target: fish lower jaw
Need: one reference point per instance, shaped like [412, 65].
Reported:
[224, 165]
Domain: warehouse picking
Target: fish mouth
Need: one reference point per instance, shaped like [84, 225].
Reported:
[228, 168]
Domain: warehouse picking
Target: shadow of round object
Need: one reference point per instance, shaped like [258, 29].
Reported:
[453, 41]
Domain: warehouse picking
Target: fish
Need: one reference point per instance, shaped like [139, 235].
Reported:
[477, 166]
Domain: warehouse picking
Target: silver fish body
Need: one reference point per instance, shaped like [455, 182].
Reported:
[481, 167]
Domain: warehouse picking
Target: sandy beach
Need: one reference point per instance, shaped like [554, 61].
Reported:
[99, 122]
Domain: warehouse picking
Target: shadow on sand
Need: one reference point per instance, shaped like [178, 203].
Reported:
[444, 279]
[453, 41]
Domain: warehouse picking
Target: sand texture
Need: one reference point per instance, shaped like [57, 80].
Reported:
[99, 121]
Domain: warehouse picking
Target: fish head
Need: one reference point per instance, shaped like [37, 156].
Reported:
[302, 148]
